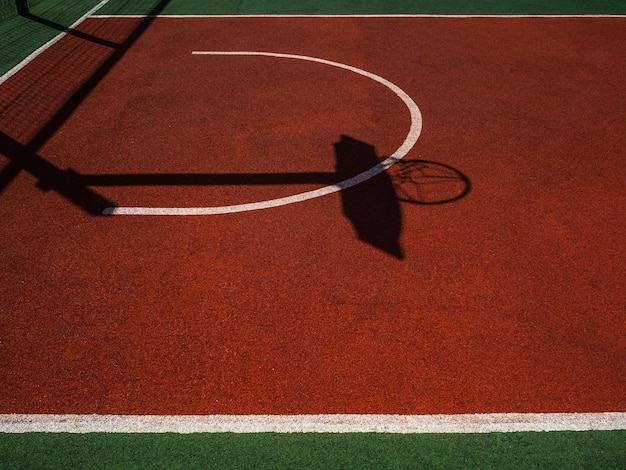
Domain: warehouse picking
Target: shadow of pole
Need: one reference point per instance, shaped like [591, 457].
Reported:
[23, 10]
[49, 176]
[72, 32]
[22, 7]
[372, 206]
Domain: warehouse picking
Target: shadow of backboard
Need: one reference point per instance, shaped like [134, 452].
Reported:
[372, 206]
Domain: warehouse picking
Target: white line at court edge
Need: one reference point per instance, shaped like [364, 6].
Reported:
[409, 141]
[322, 423]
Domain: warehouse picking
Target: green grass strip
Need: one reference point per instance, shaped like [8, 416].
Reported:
[371, 7]
[562, 450]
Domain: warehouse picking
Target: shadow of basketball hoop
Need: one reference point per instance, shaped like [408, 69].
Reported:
[372, 206]
[428, 183]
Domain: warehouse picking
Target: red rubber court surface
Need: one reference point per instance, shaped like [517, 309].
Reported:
[510, 298]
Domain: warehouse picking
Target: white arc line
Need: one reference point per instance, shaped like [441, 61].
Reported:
[410, 140]
[333, 423]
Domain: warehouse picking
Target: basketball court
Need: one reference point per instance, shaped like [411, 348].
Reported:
[302, 215]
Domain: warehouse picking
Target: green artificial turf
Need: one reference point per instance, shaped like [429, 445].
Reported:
[554, 450]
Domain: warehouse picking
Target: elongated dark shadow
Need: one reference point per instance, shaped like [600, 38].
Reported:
[372, 206]
[22, 157]
[22, 7]
[72, 32]
[206, 179]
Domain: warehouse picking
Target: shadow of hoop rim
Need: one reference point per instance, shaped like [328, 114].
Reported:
[457, 175]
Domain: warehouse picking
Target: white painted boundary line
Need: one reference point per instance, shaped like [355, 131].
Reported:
[27, 60]
[358, 16]
[337, 423]
[406, 146]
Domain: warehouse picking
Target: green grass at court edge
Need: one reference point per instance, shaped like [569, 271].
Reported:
[562, 450]
[371, 7]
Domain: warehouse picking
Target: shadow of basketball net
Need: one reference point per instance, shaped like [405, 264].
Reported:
[428, 183]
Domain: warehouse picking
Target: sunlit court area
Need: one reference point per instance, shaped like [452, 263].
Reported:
[317, 234]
